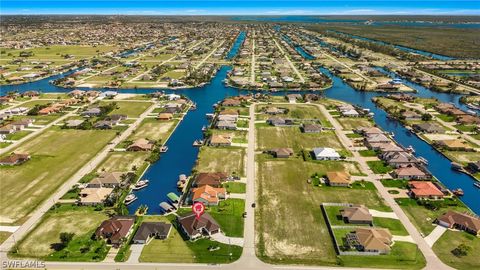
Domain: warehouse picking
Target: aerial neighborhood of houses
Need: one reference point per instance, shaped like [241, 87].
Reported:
[300, 146]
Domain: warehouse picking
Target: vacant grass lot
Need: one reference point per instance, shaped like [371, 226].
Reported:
[394, 225]
[56, 155]
[72, 219]
[228, 214]
[350, 123]
[230, 160]
[54, 52]
[154, 129]
[449, 241]
[287, 203]
[123, 161]
[4, 236]
[130, 108]
[276, 137]
[296, 111]
[235, 187]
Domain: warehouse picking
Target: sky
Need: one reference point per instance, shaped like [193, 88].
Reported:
[242, 7]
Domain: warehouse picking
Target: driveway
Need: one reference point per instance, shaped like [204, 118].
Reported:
[376, 213]
[220, 237]
[136, 250]
[435, 235]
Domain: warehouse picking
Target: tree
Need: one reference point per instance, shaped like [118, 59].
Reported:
[426, 117]
[461, 250]
[66, 237]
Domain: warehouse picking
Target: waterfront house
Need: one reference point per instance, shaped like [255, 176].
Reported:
[212, 179]
[208, 195]
[410, 173]
[141, 145]
[376, 240]
[226, 125]
[357, 215]
[231, 102]
[428, 128]
[338, 179]
[411, 116]
[94, 196]
[14, 159]
[325, 153]
[400, 159]
[115, 230]
[151, 230]
[372, 140]
[468, 119]
[350, 113]
[107, 179]
[164, 116]
[424, 190]
[220, 140]
[460, 221]
[281, 152]
[229, 112]
[474, 166]
[195, 228]
[311, 128]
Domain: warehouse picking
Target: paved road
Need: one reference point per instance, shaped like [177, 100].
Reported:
[433, 262]
[252, 64]
[36, 215]
[35, 133]
[292, 66]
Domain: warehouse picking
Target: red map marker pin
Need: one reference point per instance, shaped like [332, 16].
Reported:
[198, 208]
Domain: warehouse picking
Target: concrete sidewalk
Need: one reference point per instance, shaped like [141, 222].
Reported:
[435, 235]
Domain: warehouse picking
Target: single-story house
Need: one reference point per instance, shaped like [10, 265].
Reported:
[460, 221]
[325, 153]
[339, 179]
[150, 230]
[212, 179]
[281, 152]
[107, 179]
[220, 140]
[116, 229]
[195, 228]
[141, 145]
[429, 128]
[356, 215]
[165, 116]
[311, 128]
[410, 173]
[277, 121]
[208, 195]
[14, 159]
[94, 196]
[454, 145]
[371, 240]
[425, 190]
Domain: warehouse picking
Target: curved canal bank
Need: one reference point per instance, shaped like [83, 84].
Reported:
[438, 164]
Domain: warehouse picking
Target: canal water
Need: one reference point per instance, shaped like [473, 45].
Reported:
[438, 164]
[402, 48]
[181, 157]
[236, 45]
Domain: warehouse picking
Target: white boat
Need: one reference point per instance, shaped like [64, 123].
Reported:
[140, 184]
[410, 149]
[130, 198]
[423, 160]
[163, 149]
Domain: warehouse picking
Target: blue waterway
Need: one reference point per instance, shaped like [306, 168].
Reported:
[236, 45]
[298, 48]
[438, 165]
[403, 48]
[321, 20]
[181, 156]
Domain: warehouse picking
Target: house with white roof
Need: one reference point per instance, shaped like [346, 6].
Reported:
[325, 153]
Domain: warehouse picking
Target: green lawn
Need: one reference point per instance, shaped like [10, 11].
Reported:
[379, 166]
[451, 240]
[368, 153]
[73, 219]
[18, 135]
[123, 161]
[292, 137]
[174, 249]
[422, 217]
[396, 183]
[402, 256]
[154, 129]
[286, 202]
[235, 187]
[228, 214]
[130, 108]
[56, 155]
[225, 159]
[354, 122]
[4, 236]
[394, 225]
